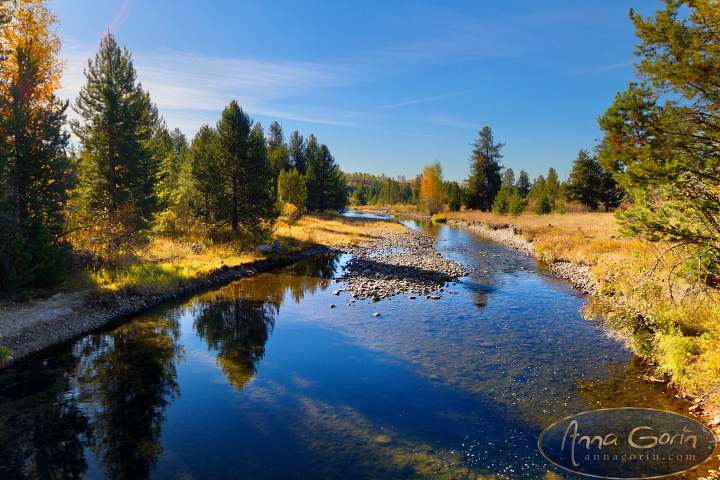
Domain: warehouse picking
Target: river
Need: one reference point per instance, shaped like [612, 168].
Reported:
[262, 379]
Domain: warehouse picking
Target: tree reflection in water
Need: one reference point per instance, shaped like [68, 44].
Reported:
[44, 431]
[236, 321]
[127, 378]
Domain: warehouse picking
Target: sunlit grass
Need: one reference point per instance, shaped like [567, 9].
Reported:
[166, 263]
[4, 356]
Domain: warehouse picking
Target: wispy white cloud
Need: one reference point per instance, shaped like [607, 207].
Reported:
[606, 68]
[453, 122]
[190, 89]
[422, 100]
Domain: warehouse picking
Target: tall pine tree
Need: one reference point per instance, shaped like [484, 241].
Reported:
[485, 179]
[246, 174]
[118, 164]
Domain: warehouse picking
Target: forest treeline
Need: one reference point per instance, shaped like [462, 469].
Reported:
[491, 186]
[130, 176]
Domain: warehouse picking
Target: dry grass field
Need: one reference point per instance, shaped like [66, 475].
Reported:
[166, 261]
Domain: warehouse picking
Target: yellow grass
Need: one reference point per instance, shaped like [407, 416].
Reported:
[166, 263]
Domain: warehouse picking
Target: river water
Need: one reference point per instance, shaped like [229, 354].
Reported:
[262, 379]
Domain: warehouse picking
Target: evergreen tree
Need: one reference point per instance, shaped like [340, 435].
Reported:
[206, 190]
[245, 172]
[586, 180]
[119, 167]
[485, 179]
[34, 177]
[455, 197]
[296, 152]
[661, 137]
[292, 189]
[508, 179]
[538, 188]
[34, 168]
[502, 202]
[277, 151]
[523, 184]
[325, 181]
[515, 205]
[552, 186]
[543, 206]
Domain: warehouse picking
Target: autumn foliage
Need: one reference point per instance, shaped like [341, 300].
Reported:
[432, 192]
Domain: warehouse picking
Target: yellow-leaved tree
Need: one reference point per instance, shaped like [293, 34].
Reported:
[29, 27]
[432, 193]
[33, 161]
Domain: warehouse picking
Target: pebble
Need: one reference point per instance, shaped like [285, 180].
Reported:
[404, 263]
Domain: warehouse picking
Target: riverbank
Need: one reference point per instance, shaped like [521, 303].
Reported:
[166, 270]
[630, 291]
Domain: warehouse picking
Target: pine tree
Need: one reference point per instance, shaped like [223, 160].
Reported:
[118, 164]
[523, 184]
[296, 151]
[277, 150]
[325, 181]
[543, 206]
[34, 178]
[515, 205]
[586, 180]
[485, 180]
[552, 185]
[206, 191]
[245, 172]
[455, 197]
[502, 202]
[661, 136]
[508, 179]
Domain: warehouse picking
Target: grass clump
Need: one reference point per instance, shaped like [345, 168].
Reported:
[5, 354]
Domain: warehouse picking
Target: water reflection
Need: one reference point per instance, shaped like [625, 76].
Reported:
[429, 389]
[44, 430]
[126, 379]
[237, 330]
[237, 320]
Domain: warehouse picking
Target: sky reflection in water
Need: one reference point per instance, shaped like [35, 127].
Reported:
[261, 379]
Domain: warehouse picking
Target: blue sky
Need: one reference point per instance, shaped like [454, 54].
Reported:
[389, 86]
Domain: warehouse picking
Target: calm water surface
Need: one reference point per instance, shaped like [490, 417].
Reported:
[262, 379]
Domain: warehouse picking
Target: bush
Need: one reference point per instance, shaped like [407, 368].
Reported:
[543, 205]
[516, 205]
[501, 203]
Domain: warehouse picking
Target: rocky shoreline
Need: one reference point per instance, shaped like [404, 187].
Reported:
[29, 327]
[579, 276]
[701, 406]
[405, 263]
